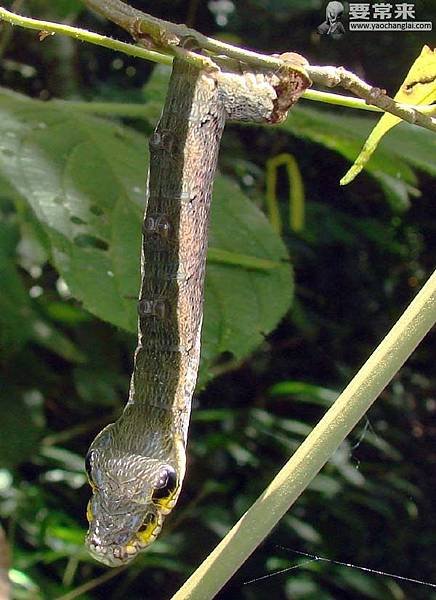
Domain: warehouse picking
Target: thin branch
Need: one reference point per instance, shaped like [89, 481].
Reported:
[92, 583]
[360, 104]
[315, 451]
[168, 35]
[334, 76]
[84, 35]
[141, 111]
[327, 76]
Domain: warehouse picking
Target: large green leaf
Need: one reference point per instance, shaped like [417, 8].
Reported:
[20, 428]
[407, 145]
[85, 181]
[83, 177]
[242, 304]
[415, 145]
[19, 322]
[14, 301]
[346, 134]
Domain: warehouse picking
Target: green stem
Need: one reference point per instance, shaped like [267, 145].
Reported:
[350, 102]
[93, 583]
[251, 263]
[172, 35]
[84, 36]
[339, 100]
[316, 450]
[165, 59]
[140, 111]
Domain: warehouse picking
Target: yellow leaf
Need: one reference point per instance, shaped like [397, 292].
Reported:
[419, 87]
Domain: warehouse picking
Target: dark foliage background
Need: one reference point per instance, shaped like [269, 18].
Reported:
[364, 252]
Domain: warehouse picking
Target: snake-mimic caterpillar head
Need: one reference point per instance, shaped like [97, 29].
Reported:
[131, 494]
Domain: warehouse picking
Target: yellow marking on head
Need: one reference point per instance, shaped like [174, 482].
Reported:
[145, 536]
[131, 549]
[166, 505]
[149, 530]
[91, 483]
[89, 514]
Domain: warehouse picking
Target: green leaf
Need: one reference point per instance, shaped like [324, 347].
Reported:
[85, 181]
[299, 587]
[15, 307]
[83, 178]
[20, 431]
[305, 392]
[419, 87]
[97, 385]
[45, 335]
[24, 586]
[18, 320]
[154, 93]
[414, 144]
[242, 304]
[59, 9]
[362, 583]
[391, 165]
[64, 458]
[396, 192]
[345, 134]
[303, 529]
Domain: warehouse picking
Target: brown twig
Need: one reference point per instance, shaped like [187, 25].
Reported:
[167, 36]
[338, 76]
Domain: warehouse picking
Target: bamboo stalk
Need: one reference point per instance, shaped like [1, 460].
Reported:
[316, 449]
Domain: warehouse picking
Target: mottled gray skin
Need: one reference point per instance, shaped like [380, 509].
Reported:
[128, 460]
